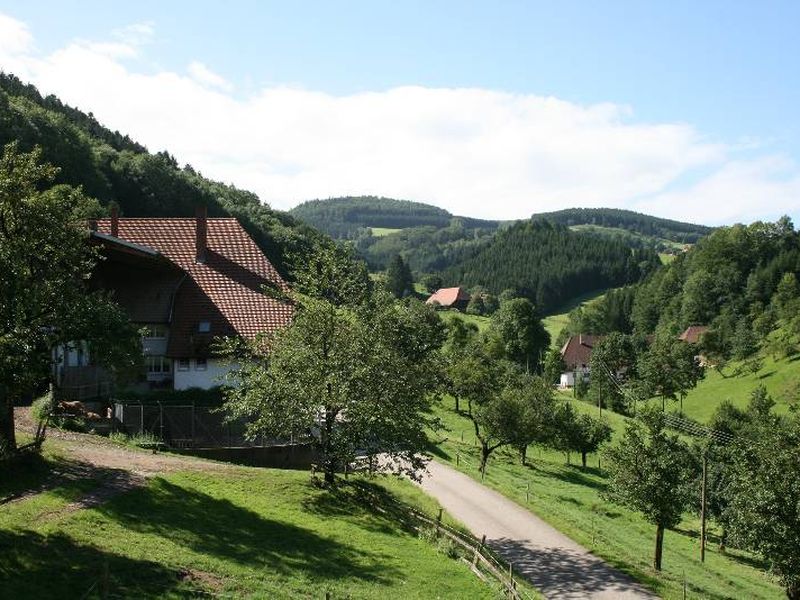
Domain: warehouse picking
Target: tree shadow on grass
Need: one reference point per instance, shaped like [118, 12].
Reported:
[563, 573]
[56, 566]
[376, 508]
[223, 530]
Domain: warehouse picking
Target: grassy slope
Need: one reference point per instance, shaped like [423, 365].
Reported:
[780, 377]
[625, 232]
[383, 231]
[247, 533]
[556, 322]
[568, 497]
[482, 323]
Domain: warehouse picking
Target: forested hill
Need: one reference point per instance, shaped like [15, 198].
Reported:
[676, 231]
[348, 217]
[112, 167]
[550, 264]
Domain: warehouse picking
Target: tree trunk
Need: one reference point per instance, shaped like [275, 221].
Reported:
[523, 454]
[583, 459]
[485, 451]
[8, 439]
[723, 538]
[659, 547]
[793, 590]
[458, 408]
[328, 458]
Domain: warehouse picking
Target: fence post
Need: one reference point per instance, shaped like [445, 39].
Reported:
[438, 522]
[193, 418]
[478, 549]
[161, 420]
[141, 418]
[458, 459]
[527, 492]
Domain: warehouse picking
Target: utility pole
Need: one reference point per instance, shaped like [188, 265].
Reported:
[703, 510]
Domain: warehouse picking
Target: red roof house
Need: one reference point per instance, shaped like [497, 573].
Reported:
[454, 297]
[693, 334]
[577, 350]
[188, 281]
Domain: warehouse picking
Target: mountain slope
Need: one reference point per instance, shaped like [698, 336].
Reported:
[111, 167]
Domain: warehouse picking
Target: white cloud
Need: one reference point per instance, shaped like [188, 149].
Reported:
[475, 152]
[14, 36]
[205, 76]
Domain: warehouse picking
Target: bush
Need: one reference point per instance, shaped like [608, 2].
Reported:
[42, 407]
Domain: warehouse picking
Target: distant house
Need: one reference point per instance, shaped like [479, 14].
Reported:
[185, 282]
[577, 356]
[693, 334]
[454, 297]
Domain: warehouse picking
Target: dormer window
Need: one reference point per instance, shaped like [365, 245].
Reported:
[204, 327]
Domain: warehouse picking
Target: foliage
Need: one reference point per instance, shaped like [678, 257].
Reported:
[549, 264]
[613, 355]
[649, 471]
[111, 167]
[333, 273]
[581, 433]
[553, 366]
[765, 496]
[199, 397]
[685, 233]
[516, 333]
[398, 278]
[611, 312]
[358, 379]
[431, 283]
[44, 265]
[668, 369]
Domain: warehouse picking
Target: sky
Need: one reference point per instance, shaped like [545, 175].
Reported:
[500, 109]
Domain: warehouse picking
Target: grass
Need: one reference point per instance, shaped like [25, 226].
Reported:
[780, 377]
[244, 533]
[556, 322]
[482, 323]
[568, 497]
[383, 231]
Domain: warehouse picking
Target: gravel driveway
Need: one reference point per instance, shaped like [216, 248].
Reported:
[553, 563]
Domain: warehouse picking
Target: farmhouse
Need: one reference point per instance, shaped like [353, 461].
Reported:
[577, 355]
[693, 334]
[454, 297]
[185, 281]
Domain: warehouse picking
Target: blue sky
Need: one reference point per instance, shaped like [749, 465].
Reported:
[727, 72]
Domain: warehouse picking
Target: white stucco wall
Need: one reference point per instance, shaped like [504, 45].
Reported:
[201, 379]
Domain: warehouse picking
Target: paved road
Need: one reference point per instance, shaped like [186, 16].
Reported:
[552, 562]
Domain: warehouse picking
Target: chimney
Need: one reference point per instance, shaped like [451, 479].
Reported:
[201, 230]
[114, 221]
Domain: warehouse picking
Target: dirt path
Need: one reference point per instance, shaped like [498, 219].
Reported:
[117, 469]
[552, 562]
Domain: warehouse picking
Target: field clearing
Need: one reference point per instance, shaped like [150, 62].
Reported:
[568, 497]
[240, 532]
[556, 322]
[780, 377]
[383, 231]
[482, 323]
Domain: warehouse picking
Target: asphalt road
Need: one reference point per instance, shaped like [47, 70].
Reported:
[557, 566]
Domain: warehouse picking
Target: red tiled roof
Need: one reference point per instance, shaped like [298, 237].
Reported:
[577, 351]
[693, 333]
[448, 296]
[225, 290]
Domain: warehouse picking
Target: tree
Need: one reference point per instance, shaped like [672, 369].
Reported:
[518, 335]
[476, 306]
[398, 278]
[553, 366]
[650, 471]
[583, 434]
[353, 378]
[536, 413]
[45, 262]
[669, 369]
[333, 273]
[765, 496]
[432, 283]
[613, 354]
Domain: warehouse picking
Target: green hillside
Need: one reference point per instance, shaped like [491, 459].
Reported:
[216, 532]
[113, 168]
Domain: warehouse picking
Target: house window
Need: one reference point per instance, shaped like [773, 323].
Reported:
[203, 327]
[158, 365]
[183, 364]
[155, 331]
[200, 364]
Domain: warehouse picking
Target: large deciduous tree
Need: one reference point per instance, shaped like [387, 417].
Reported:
[44, 266]
[650, 472]
[354, 379]
[517, 334]
[669, 369]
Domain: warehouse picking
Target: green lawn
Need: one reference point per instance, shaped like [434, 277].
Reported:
[556, 322]
[482, 323]
[245, 533]
[781, 378]
[383, 231]
[568, 497]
